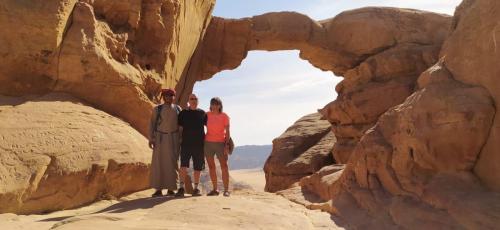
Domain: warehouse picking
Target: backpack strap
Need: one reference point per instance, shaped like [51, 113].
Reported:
[158, 113]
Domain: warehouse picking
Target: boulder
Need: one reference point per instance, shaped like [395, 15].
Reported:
[59, 153]
[301, 150]
[321, 181]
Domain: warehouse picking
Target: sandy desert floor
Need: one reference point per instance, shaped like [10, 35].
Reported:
[255, 178]
[245, 209]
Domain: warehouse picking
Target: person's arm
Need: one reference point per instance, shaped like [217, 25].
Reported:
[180, 125]
[228, 133]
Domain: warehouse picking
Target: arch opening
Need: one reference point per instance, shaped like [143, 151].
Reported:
[263, 88]
[263, 97]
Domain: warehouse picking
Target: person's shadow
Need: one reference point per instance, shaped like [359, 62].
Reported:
[124, 206]
[142, 203]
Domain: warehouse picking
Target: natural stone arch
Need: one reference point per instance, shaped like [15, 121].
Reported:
[375, 49]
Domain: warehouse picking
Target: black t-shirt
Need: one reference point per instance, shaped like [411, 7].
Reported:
[193, 123]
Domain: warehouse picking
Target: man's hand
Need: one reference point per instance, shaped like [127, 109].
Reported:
[152, 144]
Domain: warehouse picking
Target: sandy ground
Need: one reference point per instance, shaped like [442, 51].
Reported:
[245, 209]
[255, 178]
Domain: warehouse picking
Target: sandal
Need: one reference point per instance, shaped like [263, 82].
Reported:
[157, 193]
[170, 193]
[196, 192]
[213, 193]
[226, 193]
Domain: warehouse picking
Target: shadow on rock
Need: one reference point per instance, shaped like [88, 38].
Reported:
[143, 203]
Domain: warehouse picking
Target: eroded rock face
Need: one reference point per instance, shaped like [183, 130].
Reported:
[58, 153]
[301, 150]
[426, 160]
[437, 132]
[379, 71]
[471, 56]
[415, 165]
[32, 33]
[114, 54]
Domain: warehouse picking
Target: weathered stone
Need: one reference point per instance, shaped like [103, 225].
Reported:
[470, 54]
[113, 54]
[58, 153]
[321, 181]
[380, 71]
[301, 150]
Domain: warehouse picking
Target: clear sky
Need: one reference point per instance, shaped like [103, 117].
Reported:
[271, 90]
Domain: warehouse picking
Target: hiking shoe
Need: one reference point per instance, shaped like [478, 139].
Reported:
[196, 192]
[180, 193]
[213, 193]
[170, 193]
[157, 193]
[226, 193]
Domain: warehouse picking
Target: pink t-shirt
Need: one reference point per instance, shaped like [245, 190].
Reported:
[216, 124]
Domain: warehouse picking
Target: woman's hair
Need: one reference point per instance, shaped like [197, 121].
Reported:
[216, 101]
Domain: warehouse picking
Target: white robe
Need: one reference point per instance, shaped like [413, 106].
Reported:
[164, 164]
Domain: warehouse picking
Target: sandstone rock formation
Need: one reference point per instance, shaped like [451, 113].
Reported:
[430, 161]
[384, 67]
[415, 120]
[301, 150]
[419, 157]
[113, 54]
[471, 57]
[58, 153]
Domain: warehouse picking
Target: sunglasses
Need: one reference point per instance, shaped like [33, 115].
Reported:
[193, 99]
[168, 95]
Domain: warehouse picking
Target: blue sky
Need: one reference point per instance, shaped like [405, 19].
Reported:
[271, 90]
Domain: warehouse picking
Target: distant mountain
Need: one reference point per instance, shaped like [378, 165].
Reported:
[249, 156]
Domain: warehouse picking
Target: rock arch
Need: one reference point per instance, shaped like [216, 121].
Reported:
[412, 124]
[421, 148]
[375, 49]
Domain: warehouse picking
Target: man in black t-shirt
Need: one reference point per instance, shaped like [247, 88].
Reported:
[192, 120]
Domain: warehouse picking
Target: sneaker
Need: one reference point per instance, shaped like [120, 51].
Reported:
[180, 193]
[157, 193]
[213, 193]
[170, 193]
[196, 192]
[226, 193]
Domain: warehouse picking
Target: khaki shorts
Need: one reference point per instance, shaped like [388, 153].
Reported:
[214, 148]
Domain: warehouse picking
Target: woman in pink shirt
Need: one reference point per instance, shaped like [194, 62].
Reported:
[217, 143]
